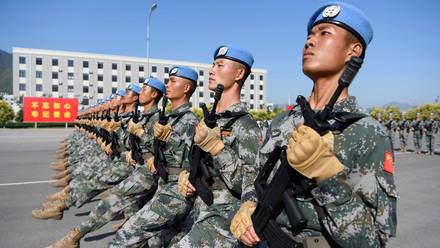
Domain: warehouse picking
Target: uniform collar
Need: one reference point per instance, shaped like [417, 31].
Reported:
[181, 108]
[236, 107]
[348, 104]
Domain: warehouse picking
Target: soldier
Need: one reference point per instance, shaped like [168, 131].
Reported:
[403, 129]
[167, 206]
[391, 126]
[417, 129]
[430, 128]
[129, 193]
[233, 146]
[353, 200]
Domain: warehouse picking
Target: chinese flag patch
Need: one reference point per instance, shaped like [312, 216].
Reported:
[388, 164]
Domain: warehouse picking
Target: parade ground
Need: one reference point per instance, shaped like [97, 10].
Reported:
[24, 176]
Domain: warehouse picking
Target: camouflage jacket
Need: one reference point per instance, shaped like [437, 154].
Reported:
[431, 127]
[235, 164]
[417, 126]
[148, 120]
[180, 140]
[360, 201]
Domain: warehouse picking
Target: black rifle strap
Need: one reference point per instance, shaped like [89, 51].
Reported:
[234, 117]
[146, 117]
[177, 116]
[321, 215]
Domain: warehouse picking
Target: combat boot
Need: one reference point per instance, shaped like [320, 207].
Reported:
[49, 204]
[63, 182]
[71, 240]
[54, 212]
[59, 195]
[61, 174]
[61, 156]
[60, 166]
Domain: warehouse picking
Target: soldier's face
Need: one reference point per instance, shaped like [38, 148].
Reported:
[177, 87]
[325, 50]
[130, 97]
[223, 71]
[146, 95]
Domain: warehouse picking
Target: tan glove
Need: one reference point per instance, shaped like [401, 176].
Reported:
[208, 139]
[130, 126]
[162, 132]
[129, 159]
[108, 149]
[242, 219]
[150, 165]
[115, 125]
[183, 182]
[312, 155]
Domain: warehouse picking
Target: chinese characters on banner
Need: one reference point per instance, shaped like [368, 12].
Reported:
[39, 109]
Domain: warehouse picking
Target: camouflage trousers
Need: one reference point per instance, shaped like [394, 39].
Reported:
[211, 223]
[153, 224]
[430, 143]
[417, 141]
[127, 196]
[402, 139]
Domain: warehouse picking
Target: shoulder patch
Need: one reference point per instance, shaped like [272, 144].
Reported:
[388, 164]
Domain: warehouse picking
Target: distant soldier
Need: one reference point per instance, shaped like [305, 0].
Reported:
[391, 126]
[431, 128]
[403, 129]
[417, 128]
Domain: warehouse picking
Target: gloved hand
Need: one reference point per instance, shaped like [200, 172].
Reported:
[129, 159]
[150, 165]
[312, 155]
[242, 219]
[208, 139]
[162, 132]
[186, 189]
[115, 125]
[108, 149]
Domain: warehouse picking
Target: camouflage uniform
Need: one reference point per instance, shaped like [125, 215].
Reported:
[403, 128]
[128, 194]
[431, 127]
[167, 205]
[236, 166]
[391, 126]
[360, 201]
[417, 128]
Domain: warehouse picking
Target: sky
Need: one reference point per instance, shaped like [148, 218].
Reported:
[401, 63]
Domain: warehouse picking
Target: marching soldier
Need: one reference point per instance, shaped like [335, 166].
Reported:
[403, 129]
[352, 200]
[431, 128]
[417, 129]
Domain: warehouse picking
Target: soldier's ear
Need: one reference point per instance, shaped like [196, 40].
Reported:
[354, 49]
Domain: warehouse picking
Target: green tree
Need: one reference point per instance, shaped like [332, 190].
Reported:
[6, 113]
[19, 116]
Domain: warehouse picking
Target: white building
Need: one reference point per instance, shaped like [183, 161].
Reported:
[89, 76]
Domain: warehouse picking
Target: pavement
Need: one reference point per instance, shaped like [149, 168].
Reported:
[24, 173]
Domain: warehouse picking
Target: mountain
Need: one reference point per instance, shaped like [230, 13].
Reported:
[401, 106]
[5, 72]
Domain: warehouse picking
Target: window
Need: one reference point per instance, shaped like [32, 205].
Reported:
[141, 80]
[22, 87]
[85, 101]
[85, 64]
[114, 66]
[100, 78]
[252, 96]
[200, 94]
[252, 86]
[54, 75]
[261, 97]
[114, 78]
[39, 61]
[128, 67]
[54, 88]
[100, 65]
[201, 83]
[201, 73]
[38, 74]
[54, 62]
[85, 76]
[141, 68]
[252, 106]
[252, 76]
[261, 87]
[70, 76]
[261, 77]
[70, 63]
[70, 88]
[154, 68]
[100, 90]
[114, 90]
[22, 73]
[85, 89]
[127, 79]
[38, 87]
[166, 70]
[22, 60]
[211, 94]
[166, 80]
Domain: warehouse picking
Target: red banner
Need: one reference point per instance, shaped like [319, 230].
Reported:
[40, 109]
